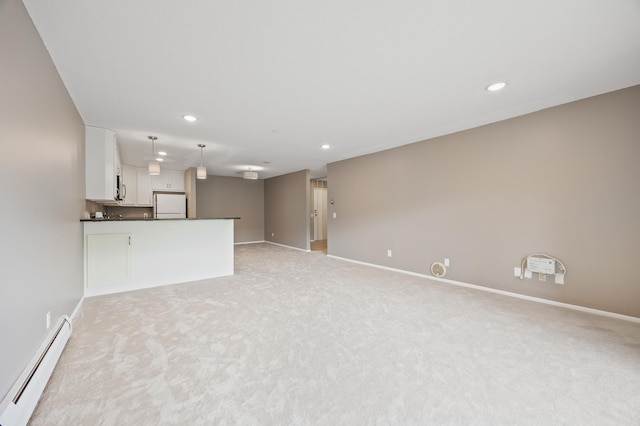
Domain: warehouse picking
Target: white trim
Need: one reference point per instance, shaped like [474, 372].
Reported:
[72, 317]
[502, 292]
[248, 242]
[286, 246]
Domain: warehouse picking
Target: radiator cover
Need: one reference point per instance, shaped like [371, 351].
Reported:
[16, 408]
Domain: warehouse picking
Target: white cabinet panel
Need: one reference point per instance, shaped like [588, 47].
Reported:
[168, 180]
[176, 180]
[102, 164]
[108, 259]
[130, 185]
[137, 187]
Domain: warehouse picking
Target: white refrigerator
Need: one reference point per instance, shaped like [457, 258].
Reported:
[170, 206]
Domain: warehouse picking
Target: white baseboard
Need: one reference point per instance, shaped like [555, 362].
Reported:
[502, 292]
[249, 242]
[289, 247]
[72, 317]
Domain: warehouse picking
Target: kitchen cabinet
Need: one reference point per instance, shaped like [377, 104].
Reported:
[161, 252]
[137, 187]
[168, 180]
[129, 185]
[145, 194]
[108, 259]
[102, 165]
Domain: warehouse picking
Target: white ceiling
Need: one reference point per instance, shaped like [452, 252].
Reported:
[270, 81]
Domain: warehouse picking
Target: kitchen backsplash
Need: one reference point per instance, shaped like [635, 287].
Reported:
[92, 207]
[129, 212]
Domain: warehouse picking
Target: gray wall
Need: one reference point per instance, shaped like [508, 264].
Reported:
[286, 219]
[219, 196]
[563, 181]
[42, 166]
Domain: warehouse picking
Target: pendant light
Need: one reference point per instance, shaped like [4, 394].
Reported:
[249, 174]
[154, 166]
[202, 170]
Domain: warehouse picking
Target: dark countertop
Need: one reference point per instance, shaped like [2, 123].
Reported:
[151, 219]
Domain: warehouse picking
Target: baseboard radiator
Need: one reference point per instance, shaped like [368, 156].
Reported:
[18, 405]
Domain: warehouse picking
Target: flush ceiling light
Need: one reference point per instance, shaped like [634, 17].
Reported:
[154, 166]
[162, 153]
[325, 146]
[190, 118]
[201, 173]
[495, 87]
[249, 174]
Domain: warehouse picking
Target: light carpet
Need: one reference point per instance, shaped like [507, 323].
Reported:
[297, 338]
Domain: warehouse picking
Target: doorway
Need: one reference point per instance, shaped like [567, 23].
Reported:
[319, 215]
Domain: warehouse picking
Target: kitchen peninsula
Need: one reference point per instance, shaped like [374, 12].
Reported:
[130, 254]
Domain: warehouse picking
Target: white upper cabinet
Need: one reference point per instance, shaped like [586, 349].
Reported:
[102, 165]
[168, 180]
[129, 185]
[137, 187]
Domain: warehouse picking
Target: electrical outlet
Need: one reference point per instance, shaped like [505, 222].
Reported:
[273, 234]
[48, 319]
[541, 276]
[517, 271]
[528, 274]
[389, 253]
[446, 261]
[559, 279]
[335, 215]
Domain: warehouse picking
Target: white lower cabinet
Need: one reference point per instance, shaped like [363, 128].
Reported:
[125, 255]
[108, 259]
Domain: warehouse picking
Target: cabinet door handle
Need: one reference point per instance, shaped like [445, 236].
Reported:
[129, 239]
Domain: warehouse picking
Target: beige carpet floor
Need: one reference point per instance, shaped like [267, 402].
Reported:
[297, 338]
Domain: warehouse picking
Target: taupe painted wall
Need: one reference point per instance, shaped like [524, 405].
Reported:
[42, 166]
[563, 181]
[191, 192]
[220, 196]
[286, 210]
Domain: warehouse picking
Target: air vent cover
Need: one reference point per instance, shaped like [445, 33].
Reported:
[438, 269]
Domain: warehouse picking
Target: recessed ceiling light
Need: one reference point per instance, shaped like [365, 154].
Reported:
[159, 159]
[494, 87]
[325, 146]
[162, 153]
[189, 118]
